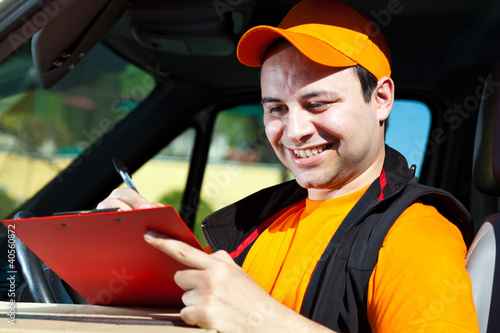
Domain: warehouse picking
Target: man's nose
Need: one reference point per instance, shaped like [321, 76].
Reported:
[299, 127]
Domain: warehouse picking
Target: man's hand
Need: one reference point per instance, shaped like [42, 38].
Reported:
[220, 295]
[126, 199]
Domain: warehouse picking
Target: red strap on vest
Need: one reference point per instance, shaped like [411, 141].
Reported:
[383, 182]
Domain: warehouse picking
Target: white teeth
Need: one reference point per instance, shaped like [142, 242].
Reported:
[309, 152]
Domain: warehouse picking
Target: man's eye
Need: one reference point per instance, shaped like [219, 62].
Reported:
[318, 106]
[276, 109]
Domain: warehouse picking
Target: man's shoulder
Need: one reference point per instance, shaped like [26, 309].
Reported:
[424, 219]
[444, 204]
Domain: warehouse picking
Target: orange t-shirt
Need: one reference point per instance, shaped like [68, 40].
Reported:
[407, 292]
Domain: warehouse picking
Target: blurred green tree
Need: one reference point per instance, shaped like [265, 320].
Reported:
[7, 204]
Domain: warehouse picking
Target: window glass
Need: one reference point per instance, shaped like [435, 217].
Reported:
[163, 178]
[409, 128]
[42, 131]
[241, 161]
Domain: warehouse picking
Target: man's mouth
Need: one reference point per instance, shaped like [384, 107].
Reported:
[306, 153]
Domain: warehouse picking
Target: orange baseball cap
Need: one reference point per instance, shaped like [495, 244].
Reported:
[327, 32]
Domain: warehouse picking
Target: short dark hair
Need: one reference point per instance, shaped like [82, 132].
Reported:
[368, 84]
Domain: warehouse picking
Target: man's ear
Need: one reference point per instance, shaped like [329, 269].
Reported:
[384, 97]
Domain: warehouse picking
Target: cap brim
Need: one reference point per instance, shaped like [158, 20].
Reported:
[255, 43]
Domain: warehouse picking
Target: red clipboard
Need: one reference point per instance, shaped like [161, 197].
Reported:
[104, 256]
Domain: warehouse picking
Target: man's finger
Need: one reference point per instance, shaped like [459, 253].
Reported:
[224, 256]
[130, 197]
[125, 199]
[180, 251]
[113, 203]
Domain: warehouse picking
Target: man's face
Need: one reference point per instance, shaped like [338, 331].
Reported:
[319, 125]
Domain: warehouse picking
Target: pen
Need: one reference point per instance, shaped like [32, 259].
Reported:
[123, 172]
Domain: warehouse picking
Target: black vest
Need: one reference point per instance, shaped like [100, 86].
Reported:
[336, 296]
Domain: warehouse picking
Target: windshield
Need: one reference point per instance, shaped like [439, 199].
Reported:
[42, 131]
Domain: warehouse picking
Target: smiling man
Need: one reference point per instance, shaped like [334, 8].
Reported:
[354, 243]
[320, 126]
